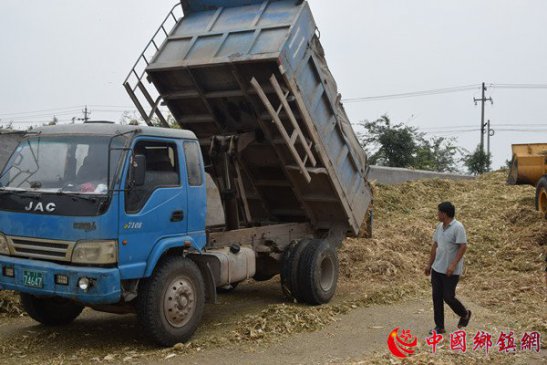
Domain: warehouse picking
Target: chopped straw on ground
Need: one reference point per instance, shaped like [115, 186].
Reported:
[504, 263]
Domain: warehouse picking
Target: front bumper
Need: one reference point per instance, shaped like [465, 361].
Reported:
[106, 288]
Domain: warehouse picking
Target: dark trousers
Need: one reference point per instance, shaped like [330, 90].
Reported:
[444, 289]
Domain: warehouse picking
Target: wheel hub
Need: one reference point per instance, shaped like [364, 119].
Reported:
[327, 274]
[179, 302]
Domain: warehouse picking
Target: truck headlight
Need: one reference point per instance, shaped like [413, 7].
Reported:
[95, 252]
[4, 248]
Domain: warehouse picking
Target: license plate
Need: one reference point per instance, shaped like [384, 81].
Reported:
[33, 279]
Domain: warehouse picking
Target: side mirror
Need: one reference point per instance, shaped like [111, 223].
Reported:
[139, 170]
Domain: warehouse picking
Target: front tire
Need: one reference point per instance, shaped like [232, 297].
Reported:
[541, 195]
[51, 311]
[170, 303]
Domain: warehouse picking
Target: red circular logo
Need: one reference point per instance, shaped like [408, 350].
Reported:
[401, 346]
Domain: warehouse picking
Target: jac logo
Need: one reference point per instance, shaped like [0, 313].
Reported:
[40, 207]
[401, 346]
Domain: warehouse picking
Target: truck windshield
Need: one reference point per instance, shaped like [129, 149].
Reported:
[63, 164]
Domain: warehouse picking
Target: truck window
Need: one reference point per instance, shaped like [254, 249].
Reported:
[82, 151]
[67, 164]
[162, 171]
[193, 163]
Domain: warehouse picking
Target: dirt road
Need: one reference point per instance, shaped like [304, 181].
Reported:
[355, 336]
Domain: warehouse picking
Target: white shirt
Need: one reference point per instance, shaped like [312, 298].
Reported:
[448, 241]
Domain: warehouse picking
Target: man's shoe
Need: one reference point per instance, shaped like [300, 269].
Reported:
[438, 330]
[464, 321]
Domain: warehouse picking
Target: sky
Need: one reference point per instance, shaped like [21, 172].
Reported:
[58, 55]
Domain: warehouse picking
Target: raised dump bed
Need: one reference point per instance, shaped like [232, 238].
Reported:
[256, 70]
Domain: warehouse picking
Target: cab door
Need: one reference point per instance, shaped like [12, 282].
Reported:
[197, 194]
[158, 209]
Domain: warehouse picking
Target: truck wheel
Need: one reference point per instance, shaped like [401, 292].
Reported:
[51, 311]
[289, 269]
[318, 272]
[541, 195]
[170, 302]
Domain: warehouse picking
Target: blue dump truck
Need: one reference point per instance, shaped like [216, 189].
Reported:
[255, 172]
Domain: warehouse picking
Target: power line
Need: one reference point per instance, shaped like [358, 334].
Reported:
[43, 115]
[442, 91]
[52, 111]
[519, 86]
[498, 130]
[113, 106]
[409, 94]
[40, 111]
[414, 93]
[465, 127]
[28, 118]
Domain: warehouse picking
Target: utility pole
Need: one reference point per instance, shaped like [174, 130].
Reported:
[86, 115]
[483, 101]
[490, 133]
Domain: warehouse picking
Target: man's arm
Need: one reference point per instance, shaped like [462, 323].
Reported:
[454, 263]
[427, 270]
[461, 241]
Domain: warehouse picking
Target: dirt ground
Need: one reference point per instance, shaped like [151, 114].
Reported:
[381, 287]
[358, 336]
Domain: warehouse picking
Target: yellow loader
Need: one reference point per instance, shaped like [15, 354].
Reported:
[529, 166]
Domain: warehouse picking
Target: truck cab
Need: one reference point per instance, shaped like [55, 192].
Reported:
[87, 210]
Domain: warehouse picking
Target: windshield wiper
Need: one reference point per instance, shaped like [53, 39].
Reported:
[22, 193]
[37, 194]
[91, 198]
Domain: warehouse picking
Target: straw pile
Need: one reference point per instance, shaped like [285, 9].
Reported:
[504, 262]
[507, 237]
[9, 304]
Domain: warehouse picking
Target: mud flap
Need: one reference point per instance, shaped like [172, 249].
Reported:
[209, 280]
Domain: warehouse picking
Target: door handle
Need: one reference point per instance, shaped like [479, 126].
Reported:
[177, 216]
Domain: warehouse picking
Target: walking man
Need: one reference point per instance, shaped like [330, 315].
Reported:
[445, 266]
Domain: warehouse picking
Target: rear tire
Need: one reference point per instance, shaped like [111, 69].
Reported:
[541, 195]
[51, 311]
[318, 272]
[290, 283]
[170, 303]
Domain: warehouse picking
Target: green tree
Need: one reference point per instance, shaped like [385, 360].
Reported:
[53, 121]
[394, 144]
[437, 154]
[399, 145]
[478, 162]
[132, 118]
